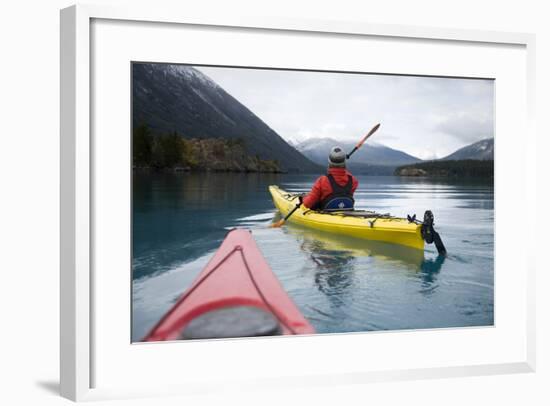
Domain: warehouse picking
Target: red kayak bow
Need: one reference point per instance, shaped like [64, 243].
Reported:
[236, 295]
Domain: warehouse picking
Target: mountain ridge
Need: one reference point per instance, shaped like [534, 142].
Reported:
[179, 98]
[480, 150]
[475, 160]
[371, 158]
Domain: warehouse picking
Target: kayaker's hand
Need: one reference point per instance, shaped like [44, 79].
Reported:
[301, 199]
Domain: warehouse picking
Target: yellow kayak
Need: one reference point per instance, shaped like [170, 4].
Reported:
[358, 224]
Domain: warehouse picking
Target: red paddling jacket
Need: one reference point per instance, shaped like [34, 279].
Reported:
[322, 188]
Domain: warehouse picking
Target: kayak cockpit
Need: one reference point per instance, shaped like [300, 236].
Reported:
[232, 321]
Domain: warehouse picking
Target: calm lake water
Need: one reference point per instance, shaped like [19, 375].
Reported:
[339, 284]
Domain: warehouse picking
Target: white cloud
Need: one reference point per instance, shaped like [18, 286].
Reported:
[426, 117]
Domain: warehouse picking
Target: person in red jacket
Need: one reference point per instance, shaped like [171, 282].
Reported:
[333, 191]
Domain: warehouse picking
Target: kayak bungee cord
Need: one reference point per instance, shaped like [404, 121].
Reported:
[251, 276]
[355, 213]
[269, 306]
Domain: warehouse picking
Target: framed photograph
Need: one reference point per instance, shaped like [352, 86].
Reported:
[238, 197]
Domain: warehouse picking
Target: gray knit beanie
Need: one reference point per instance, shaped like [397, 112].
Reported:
[337, 158]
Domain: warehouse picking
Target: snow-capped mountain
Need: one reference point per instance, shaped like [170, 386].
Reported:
[481, 150]
[372, 153]
[180, 98]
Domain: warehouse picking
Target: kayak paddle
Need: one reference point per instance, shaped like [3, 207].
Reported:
[282, 221]
[360, 144]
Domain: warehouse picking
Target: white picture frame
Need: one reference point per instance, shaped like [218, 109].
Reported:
[78, 354]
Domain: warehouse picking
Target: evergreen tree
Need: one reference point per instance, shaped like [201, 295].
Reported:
[142, 141]
[167, 151]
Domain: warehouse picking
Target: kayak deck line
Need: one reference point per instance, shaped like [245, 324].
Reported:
[271, 308]
[355, 214]
[372, 226]
[349, 213]
[230, 280]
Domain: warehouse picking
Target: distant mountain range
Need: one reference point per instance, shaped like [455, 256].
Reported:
[379, 159]
[373, 158]
[482, 150]
[472, 161]
[176, 98]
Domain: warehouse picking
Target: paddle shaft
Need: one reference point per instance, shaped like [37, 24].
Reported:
[360, 143]
[441, 250]
[292, 212]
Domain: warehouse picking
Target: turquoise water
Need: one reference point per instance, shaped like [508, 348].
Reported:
[339, 284]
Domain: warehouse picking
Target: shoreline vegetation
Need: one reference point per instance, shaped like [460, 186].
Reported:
[173, 152]
[464, 168]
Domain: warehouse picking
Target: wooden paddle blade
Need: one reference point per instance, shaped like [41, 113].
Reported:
[277, 224]
[372, 131]
[282, 221]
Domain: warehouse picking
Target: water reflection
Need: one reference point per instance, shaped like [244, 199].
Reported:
[429, 269]
[337, 258]
[333, 273]
[318, 241]
[180, 216]
[197, 190]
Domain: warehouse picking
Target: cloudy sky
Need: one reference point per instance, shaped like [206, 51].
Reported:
[425, 117]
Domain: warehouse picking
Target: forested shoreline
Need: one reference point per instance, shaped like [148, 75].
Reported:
[469, 168]
[174, 152]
